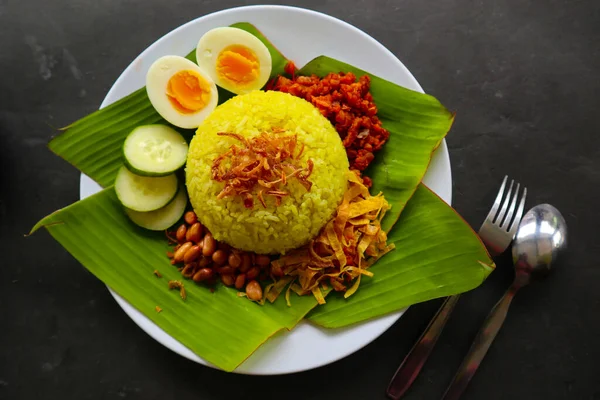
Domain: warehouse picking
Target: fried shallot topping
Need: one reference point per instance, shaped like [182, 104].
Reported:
[342, 252]
[263, 164]
[178, 285]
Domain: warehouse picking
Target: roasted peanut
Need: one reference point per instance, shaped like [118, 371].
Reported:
[192, 254]
[246, 262]
[262, 260]
[227, 280]
[190, 218]
[234, 260]
[180, 253]
[219, 257]
[204, 261]
[254, 291]
[226, 270]
[203, 274]
[253, 273]
[194, 234]
[210, 245]
[180, 234]
[189, 270]
[240, 281]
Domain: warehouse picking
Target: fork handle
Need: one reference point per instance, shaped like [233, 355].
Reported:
[416, 358]
[480, 346]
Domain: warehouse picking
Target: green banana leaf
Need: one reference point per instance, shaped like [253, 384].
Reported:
[417, 124]
[220, 327]
[437, 254]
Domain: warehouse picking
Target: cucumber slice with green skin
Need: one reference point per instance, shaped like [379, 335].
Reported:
[155, 150]
[144, 193]
[163, 218]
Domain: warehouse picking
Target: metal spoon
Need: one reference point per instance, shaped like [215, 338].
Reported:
[542, 235]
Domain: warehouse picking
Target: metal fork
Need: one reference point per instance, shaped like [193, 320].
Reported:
[497, 232]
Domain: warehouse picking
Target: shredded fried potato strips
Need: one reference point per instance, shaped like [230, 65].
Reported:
[349, 244]
[268, 161]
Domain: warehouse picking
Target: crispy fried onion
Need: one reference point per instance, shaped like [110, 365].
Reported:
[342, 252]
[267, 161]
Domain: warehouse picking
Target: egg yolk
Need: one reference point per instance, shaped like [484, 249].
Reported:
[238, 64]
[188, 92]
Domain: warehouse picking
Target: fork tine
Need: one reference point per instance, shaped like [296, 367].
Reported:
[494, 210]
[511, 209]
[519, 214]
[505, 204]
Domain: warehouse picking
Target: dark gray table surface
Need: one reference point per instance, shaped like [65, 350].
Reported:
[524, 79]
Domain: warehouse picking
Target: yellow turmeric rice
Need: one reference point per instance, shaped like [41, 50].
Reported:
[300, 216]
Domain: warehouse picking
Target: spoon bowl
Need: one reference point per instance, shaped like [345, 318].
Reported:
[541, 237]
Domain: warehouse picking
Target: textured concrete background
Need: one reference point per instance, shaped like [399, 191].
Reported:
[523, 78]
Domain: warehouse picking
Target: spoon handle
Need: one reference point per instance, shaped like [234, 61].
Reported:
[411, 366]
[480, 346]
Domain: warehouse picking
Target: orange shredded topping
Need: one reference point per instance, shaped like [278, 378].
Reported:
[342, 252]
[263, 165]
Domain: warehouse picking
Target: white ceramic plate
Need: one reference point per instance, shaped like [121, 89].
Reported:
[300, 35]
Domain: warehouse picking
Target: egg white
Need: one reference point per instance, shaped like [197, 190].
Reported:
[157, 80]
[212, 43]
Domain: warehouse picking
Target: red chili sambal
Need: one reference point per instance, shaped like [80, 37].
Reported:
[348, 104]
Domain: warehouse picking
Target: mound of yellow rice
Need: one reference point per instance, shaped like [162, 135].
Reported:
[301, 215]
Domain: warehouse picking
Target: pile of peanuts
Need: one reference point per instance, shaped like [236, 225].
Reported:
[206, 260]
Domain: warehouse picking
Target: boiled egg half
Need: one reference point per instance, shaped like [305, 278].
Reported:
[180, 91]
[235, 59]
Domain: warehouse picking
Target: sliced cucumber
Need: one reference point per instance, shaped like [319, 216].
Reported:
[155, 150]
[143, 193]
[163, 218]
